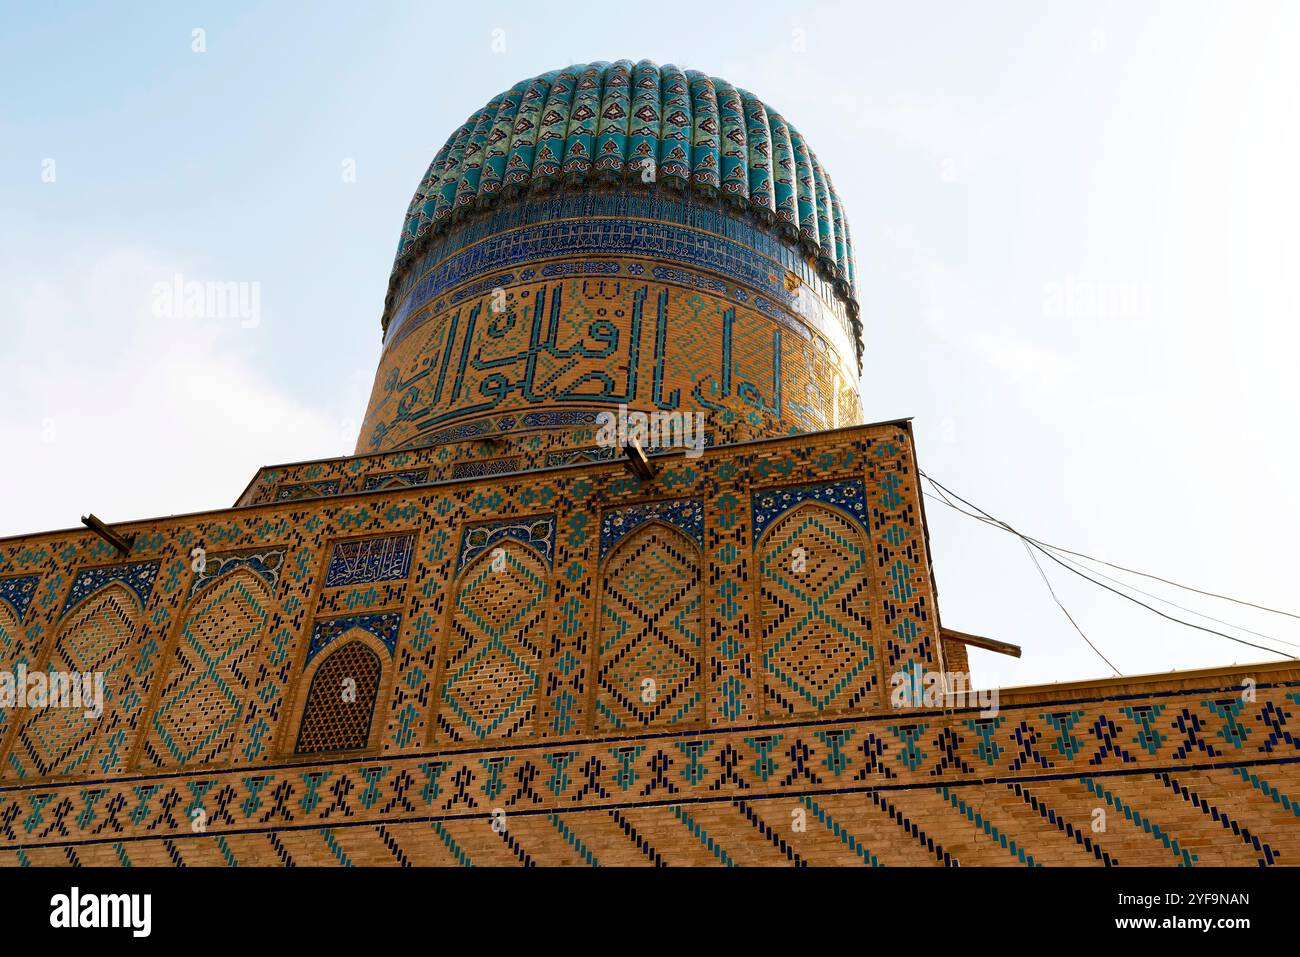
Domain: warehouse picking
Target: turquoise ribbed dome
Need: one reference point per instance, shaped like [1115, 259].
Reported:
[646, 126]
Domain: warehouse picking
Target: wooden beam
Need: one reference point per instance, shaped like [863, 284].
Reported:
[123, 545]
[978, 641]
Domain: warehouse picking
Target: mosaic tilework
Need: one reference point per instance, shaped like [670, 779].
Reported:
[265, 563]
[646, 344]
[399, 479]
[102, 635]
[196, 717]
[771, 504]
[369, 560]
[532, 437]
[139, 577]
[340, 701]
[687, 516]
[576, 234]
[293, 493]
[11, 653]
[565, 639]
[18, 592]
[509, 463]
[646, 120]
[491, 678]
[918, 789]
[537, 533]
[382, 626]
[648, 667]
[814, 614]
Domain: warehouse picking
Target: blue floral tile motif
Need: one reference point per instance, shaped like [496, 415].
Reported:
[265, 563]
[383, 626]
[18, 592]
[386, 480]
[687, 515]
[138, 576]
[537, 533]
[369, 560]
[292, 493]
[771, 504]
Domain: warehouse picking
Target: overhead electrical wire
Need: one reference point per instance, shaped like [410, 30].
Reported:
[1045, 549]
[1123, 584]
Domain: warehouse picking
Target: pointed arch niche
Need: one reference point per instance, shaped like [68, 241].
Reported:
[648, 654]
[497, 626]
[817, 653]
[100, 634]
[196, 716]
[336, 704]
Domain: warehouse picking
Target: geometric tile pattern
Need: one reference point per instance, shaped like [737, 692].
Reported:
[399, 479]
[99, 636]
[195, 719]
[264, 562]
[492, 673]
[306, 490]
[1169, 762]
[11, 643]
[770, 504]
[340, 701]
[510, 463]
[914, 790]
[814, 615]
[648, 670]
[612, 118]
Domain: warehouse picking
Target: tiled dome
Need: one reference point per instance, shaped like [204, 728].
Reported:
[646, 126]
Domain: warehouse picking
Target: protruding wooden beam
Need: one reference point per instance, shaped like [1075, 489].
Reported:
[637, 462]
[122, 544]
[978, 641]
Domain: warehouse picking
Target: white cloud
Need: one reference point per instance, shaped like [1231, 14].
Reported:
[107, 408]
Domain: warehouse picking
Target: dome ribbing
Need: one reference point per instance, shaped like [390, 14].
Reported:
[645, 126]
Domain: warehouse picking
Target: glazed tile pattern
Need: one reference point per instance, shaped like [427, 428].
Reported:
[575, 234]
[642, 124]
[1218, 783]
[817, 651]
[493, 670]
[652, 346]
[688, 516]
[18, 592]
[369, 560]
[199, 710]
[502, 688]
[648, 665]
[383, 626]
[101, 633]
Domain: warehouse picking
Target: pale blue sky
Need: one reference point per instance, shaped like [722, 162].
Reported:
[1075, 229]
